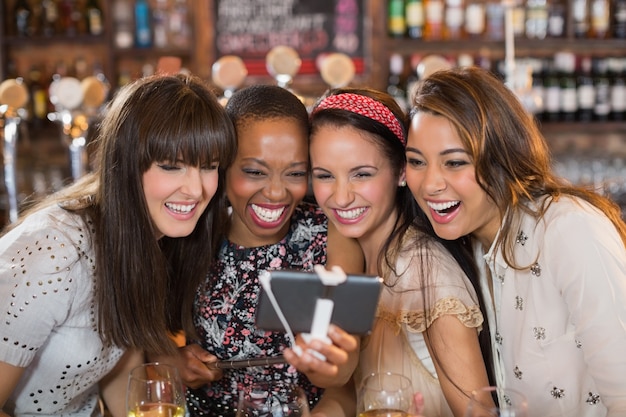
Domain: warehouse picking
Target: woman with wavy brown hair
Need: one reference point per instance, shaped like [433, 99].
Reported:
[552, 255]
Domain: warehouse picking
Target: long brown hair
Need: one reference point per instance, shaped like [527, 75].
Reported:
[512, 158]
[144, 286]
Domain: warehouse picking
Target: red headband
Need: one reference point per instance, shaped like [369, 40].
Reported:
[365, 106]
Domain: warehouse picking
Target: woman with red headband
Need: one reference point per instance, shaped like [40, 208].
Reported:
[428, 320]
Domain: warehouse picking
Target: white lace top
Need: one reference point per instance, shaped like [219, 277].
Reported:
[49, 318]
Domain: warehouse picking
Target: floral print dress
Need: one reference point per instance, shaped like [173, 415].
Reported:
[225, 310]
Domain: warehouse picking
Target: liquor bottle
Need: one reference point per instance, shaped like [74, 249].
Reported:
[602, 84]
[396, 23]
[394, 83]
[536, 19]
[475, 19]
[23, 19]
[414, 17]
[49, 17]
[433, 23]
[38, 105]
[557, 16]
[68, 17]
[495, 20]
[159, 24]
[143, 27]
[537, 88]
[412, 80]
[585, 91]
[123, 24]
[619, 19]
[566, 65]
[454, 15]
[519, 18]
[580, 18]
[600, 20]
[180, 29]
[552, 92]
[94, 17]
[617, 75]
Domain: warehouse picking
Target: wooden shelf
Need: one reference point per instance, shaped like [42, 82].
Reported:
[523, 47]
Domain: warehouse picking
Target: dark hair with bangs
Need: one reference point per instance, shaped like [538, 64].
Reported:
[145, 287]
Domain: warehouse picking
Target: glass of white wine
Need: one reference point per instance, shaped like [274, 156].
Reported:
[510, 403]
[274, 399]
[385, 394]
[155, 390]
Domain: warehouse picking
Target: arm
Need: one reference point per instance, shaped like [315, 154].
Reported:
[10, 377]
[337, 402]
[191, 362]
[113, 386]
[344, 252]
[342, 357]
[458, 360]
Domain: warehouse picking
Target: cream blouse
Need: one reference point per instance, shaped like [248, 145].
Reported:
[407, 309]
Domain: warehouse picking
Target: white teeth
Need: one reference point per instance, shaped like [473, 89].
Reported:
[180, 208]
[442, 206]
[350, 214]
[268, 215]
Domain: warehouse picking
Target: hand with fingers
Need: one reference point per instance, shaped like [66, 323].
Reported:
[341, 357]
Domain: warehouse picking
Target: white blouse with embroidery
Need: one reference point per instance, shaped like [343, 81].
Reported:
[559, 324]
[49, 318]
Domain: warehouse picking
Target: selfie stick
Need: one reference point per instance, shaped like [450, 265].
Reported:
[324, 306]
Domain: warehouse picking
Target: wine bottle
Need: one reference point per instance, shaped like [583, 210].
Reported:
[396, 22]
[566, 64]
[600, 20]
[580, 17]
[617, 76]
[585, 90]
[414, 17]
[23, 19]
[619, 19]
[95, 22]
[143, 27]
[602, 84]
[434, 17]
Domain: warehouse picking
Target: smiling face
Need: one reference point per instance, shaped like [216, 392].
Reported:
[177, 195]
[354, 183]
[441, 176]
[267, 180]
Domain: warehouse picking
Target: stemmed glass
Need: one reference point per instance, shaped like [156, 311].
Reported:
[385, 394]
[511, 403]
[155, 390]
[272, 400]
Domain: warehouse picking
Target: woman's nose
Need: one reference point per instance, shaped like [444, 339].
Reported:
[343, 194]
[192, 185]
[434, 182]
[275, 189]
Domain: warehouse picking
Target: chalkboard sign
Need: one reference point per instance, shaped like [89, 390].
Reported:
[250, 28]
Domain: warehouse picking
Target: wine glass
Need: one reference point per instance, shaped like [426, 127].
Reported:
[155, 390]
[385, 394]
[510, 403]
[274, 399]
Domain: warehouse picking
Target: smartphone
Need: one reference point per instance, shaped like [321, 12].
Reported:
[296, 293]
